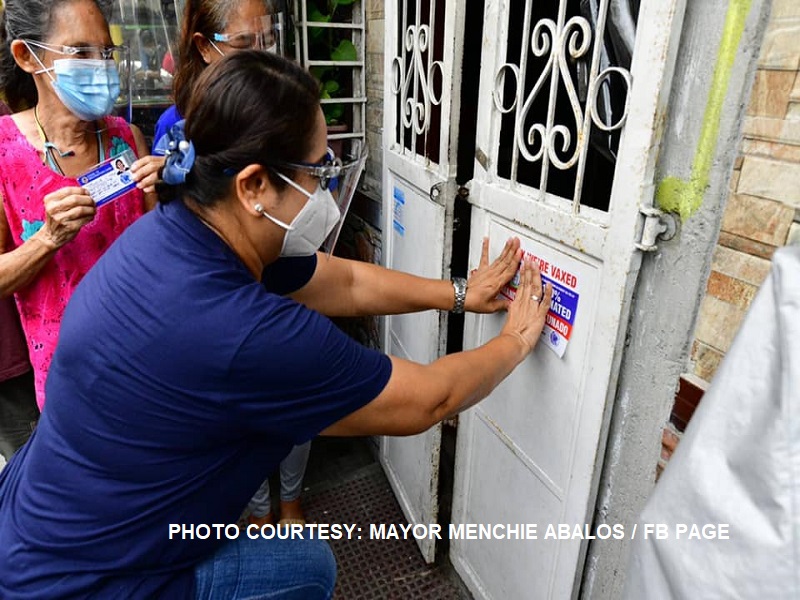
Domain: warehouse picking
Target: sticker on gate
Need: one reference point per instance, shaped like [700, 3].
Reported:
[398, 216]
[560, 318]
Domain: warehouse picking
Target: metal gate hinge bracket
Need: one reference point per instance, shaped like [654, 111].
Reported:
[436, 191]
[658, 225]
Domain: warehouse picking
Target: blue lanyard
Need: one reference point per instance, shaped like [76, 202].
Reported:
[50, 149]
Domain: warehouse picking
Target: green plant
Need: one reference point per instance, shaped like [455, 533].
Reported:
[330, 44]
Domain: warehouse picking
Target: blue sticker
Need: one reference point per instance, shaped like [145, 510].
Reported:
[561, 316]
[564, 303]
[560, 319]
[28, 229]
[399, 211]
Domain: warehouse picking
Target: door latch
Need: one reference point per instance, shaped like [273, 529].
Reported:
[658, 225]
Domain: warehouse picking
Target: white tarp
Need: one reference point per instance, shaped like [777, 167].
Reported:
[738, 464]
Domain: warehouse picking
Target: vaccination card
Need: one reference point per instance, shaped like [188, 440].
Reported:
[110, 179]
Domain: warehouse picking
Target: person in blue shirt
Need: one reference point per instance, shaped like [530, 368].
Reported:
[198, 351]
[210, 30]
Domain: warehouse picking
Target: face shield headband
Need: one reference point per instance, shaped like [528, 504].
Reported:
[340, 176]
[264, 33]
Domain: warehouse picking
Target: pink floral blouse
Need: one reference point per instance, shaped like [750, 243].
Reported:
[24, 182]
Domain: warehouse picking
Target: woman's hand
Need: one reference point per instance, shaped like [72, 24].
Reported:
[66, 210]
[526, 313]
[485, 282]
[146, 172]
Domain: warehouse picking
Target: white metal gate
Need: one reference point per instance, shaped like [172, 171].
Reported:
[422, 69]
[551, 101]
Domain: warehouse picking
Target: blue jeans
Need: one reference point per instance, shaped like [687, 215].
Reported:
[267, 569]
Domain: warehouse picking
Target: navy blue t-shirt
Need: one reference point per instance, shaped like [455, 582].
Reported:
[178, 384]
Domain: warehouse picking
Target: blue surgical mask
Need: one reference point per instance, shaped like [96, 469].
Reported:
[87, 87]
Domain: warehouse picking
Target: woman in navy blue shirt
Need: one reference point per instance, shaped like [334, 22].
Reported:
[198, 352]
[210, 30]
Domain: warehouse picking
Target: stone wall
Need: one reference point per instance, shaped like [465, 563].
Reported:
[763, 208]
[762, 212]
[371, 184]
[672, 280]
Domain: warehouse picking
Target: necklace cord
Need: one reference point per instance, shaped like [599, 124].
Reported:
[50, 148]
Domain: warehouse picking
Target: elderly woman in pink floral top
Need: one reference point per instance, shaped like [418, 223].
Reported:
[51, 231]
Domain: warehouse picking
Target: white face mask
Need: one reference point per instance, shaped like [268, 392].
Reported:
[311, 226]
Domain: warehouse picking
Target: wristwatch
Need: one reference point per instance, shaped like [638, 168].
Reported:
[460, 292]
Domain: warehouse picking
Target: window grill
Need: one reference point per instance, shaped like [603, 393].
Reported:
[316, 44]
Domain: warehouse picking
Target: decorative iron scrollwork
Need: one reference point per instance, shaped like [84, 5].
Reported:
[412, 80]
[560, 42]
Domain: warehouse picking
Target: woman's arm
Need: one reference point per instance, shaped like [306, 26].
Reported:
[67, 210]
[419, 396]
[346, 288]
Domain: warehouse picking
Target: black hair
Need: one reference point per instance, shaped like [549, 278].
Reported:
[250, 107]
[28, 20]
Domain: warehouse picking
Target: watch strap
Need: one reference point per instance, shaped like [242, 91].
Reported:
[460, 293]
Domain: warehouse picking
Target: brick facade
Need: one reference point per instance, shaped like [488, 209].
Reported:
[763, 208]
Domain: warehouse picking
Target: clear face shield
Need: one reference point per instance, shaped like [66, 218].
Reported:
[264, 33]
[124, 103]
[338, 175]
[345, 172]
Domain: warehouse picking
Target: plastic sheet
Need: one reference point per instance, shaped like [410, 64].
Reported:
[737, 464]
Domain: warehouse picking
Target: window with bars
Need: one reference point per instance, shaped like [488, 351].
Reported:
[329, 40]
[417, 76]
[563, 94]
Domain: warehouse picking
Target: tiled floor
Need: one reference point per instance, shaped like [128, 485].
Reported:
[345, 485]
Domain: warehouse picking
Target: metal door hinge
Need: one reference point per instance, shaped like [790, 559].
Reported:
[435, 192]
[658, 225]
